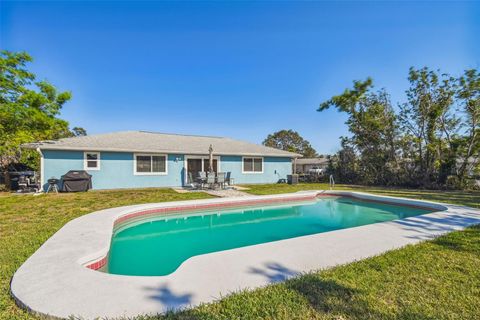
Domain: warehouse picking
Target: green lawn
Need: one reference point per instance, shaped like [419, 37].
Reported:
[466, 198]
[434, 280]
[27, 221]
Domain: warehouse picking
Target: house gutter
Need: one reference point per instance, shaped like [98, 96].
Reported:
[42, 174]
[96, 149]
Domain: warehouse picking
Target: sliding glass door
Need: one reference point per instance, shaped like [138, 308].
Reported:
[205, 165]
[196, 165]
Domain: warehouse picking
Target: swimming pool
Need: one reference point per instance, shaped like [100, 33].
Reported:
[64, 270]
[158, 245]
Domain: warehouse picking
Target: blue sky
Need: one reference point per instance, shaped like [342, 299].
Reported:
[237, 69]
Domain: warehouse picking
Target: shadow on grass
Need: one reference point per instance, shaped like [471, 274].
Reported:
[325, 296]
[328, 297]
[464, 243]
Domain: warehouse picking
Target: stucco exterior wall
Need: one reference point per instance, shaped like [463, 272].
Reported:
[274, 169]
[117, 171]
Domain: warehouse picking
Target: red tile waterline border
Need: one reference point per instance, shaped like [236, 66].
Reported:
[98, 264]
[101, 262]
[230, 204]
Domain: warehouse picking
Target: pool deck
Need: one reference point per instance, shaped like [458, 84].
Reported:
[59, 279]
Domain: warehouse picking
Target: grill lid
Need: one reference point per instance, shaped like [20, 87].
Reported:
[76, 175]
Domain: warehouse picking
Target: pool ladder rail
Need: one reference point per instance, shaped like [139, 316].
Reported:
[332, 182]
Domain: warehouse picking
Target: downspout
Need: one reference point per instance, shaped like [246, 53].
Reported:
[42, 178]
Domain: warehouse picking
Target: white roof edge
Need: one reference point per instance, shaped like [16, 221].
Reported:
[64, 148]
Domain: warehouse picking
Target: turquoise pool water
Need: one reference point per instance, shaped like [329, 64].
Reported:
[159, 246]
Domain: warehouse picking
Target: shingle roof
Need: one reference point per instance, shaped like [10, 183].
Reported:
[143, 141]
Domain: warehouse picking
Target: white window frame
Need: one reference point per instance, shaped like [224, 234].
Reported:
[253, 165]
[85, 161]
[135, 155]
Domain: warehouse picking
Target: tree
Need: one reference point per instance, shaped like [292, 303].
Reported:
[29, 110]
[469, 100]
[79, 132]
[346, 167]
[432, 141]
[427, 117]
[290, 140]
[372, 123]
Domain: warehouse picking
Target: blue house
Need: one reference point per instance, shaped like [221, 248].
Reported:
[139, 159]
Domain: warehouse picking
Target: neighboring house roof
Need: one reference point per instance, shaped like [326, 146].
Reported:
[312, 161]
[143, 141]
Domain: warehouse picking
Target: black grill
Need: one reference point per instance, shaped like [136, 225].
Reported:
[76, 180]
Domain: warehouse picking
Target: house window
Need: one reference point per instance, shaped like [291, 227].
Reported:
[91, 161]
[252, 165]
[150, 164]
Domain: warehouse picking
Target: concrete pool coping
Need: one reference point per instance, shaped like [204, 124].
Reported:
[55, 281]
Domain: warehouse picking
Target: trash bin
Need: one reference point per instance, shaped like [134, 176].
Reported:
[292, 179]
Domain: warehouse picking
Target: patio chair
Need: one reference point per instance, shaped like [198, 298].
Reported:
[211, 179]
[221, 179]
[190, 178]
[194, 184]
[229, 179]
[202, 175]
[201, 178]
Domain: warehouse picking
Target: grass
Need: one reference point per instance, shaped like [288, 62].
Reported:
[433, 280]
[438, 279]
[27, 221]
